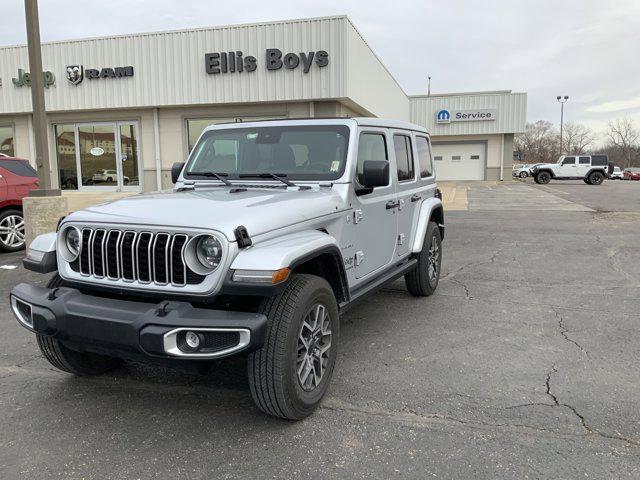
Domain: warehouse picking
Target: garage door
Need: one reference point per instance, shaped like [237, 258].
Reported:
[459, 161]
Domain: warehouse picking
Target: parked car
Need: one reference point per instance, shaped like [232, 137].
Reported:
[110, 176]
[17, 177]
[631, 174]
[616, 174]
[257, 252]
[4, 155]
[520, 170]
[593, 169]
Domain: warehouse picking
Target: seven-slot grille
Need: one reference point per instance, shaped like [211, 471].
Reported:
[132, 256]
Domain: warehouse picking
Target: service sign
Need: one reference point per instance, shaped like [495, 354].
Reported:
[447, 116]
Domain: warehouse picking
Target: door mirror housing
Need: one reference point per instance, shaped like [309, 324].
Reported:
[375, 173]
[176, 169]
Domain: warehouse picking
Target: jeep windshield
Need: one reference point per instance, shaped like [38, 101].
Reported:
[310, 152]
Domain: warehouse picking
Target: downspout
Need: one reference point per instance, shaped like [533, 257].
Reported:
[502, 158]
[156, 138]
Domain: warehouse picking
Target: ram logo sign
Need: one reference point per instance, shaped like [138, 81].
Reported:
[443, 116]
[448, 116]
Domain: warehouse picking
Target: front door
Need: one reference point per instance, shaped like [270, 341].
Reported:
[375, 218]
[568, 168]
[107, 156]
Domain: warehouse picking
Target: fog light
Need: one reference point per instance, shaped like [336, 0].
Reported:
[192, 339]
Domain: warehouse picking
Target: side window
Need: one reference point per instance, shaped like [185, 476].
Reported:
[569, 161]
[372, 146]
[404, 157]
[424, 156]
[585, 160]
[437, 158]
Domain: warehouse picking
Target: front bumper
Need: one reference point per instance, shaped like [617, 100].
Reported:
[130, 329]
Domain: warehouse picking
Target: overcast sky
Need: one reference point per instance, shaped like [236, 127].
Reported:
[587, 49]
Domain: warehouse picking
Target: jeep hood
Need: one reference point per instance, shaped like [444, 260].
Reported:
[258, 209]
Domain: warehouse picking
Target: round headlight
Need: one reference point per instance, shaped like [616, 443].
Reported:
[209, 251]
[72, 241]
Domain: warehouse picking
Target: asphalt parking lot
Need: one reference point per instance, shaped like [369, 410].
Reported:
[523, 365]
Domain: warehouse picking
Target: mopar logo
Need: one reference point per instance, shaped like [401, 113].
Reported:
[443, 116]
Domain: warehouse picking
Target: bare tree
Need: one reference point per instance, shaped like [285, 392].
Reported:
[576, 138]
[538, 143]
[625, 138]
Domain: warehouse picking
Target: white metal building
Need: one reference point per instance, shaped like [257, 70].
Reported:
[122, 109]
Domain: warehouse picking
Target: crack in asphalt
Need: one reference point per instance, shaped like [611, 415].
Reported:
[492, 259]
[583, 422]
[565, 333]
[464, 286]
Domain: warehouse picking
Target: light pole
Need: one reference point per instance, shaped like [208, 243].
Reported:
[562, 101]
[37, 102]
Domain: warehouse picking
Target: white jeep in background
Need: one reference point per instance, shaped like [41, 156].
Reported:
[273, 229]
[593, 169]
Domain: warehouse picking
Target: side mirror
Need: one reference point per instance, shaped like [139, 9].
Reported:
[375, 173]
[176, 169]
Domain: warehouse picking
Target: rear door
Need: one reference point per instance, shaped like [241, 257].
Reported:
[584, 165]
[408, 195]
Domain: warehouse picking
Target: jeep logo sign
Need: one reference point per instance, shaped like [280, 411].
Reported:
[448, 116]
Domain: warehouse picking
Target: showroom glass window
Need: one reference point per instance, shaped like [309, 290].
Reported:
[404, 157]
[315, 152]
[6, 140]
[66, 153]
[372, 146]
[424, 156]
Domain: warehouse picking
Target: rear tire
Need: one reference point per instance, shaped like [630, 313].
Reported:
[586, 180]
[301, 338]
[524, 174]
[71, 361]
[542, 178]
[422, 281]
[596, 178]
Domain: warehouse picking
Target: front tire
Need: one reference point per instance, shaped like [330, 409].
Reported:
[71, 361]
[587, 181]
[422, 281]
[542, 178]
[290, 373]
[11, 231]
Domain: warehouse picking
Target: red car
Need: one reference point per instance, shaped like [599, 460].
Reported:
[17, 177]
[631, 174]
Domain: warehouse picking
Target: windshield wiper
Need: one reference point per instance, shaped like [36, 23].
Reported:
[219, 176]
[275, 176]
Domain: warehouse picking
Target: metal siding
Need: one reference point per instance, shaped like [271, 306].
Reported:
[512, 113]
[169, 68]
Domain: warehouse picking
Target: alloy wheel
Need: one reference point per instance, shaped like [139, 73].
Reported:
[434, 257]
[12, 231]
[314, 346]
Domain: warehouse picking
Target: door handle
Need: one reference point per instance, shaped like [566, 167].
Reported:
[415, 197]
[392, 204]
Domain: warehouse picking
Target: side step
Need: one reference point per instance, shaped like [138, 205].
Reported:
[375, 284]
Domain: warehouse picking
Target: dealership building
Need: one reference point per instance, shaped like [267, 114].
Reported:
[122, 110]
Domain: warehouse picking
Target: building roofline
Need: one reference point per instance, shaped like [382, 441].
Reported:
[463, 94]
[185, 30]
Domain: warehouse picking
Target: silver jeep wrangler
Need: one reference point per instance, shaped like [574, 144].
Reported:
[274, 229]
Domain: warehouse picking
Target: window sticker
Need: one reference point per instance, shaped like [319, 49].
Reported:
[335, 166]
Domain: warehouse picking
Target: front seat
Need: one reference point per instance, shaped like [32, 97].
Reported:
[284, 160]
